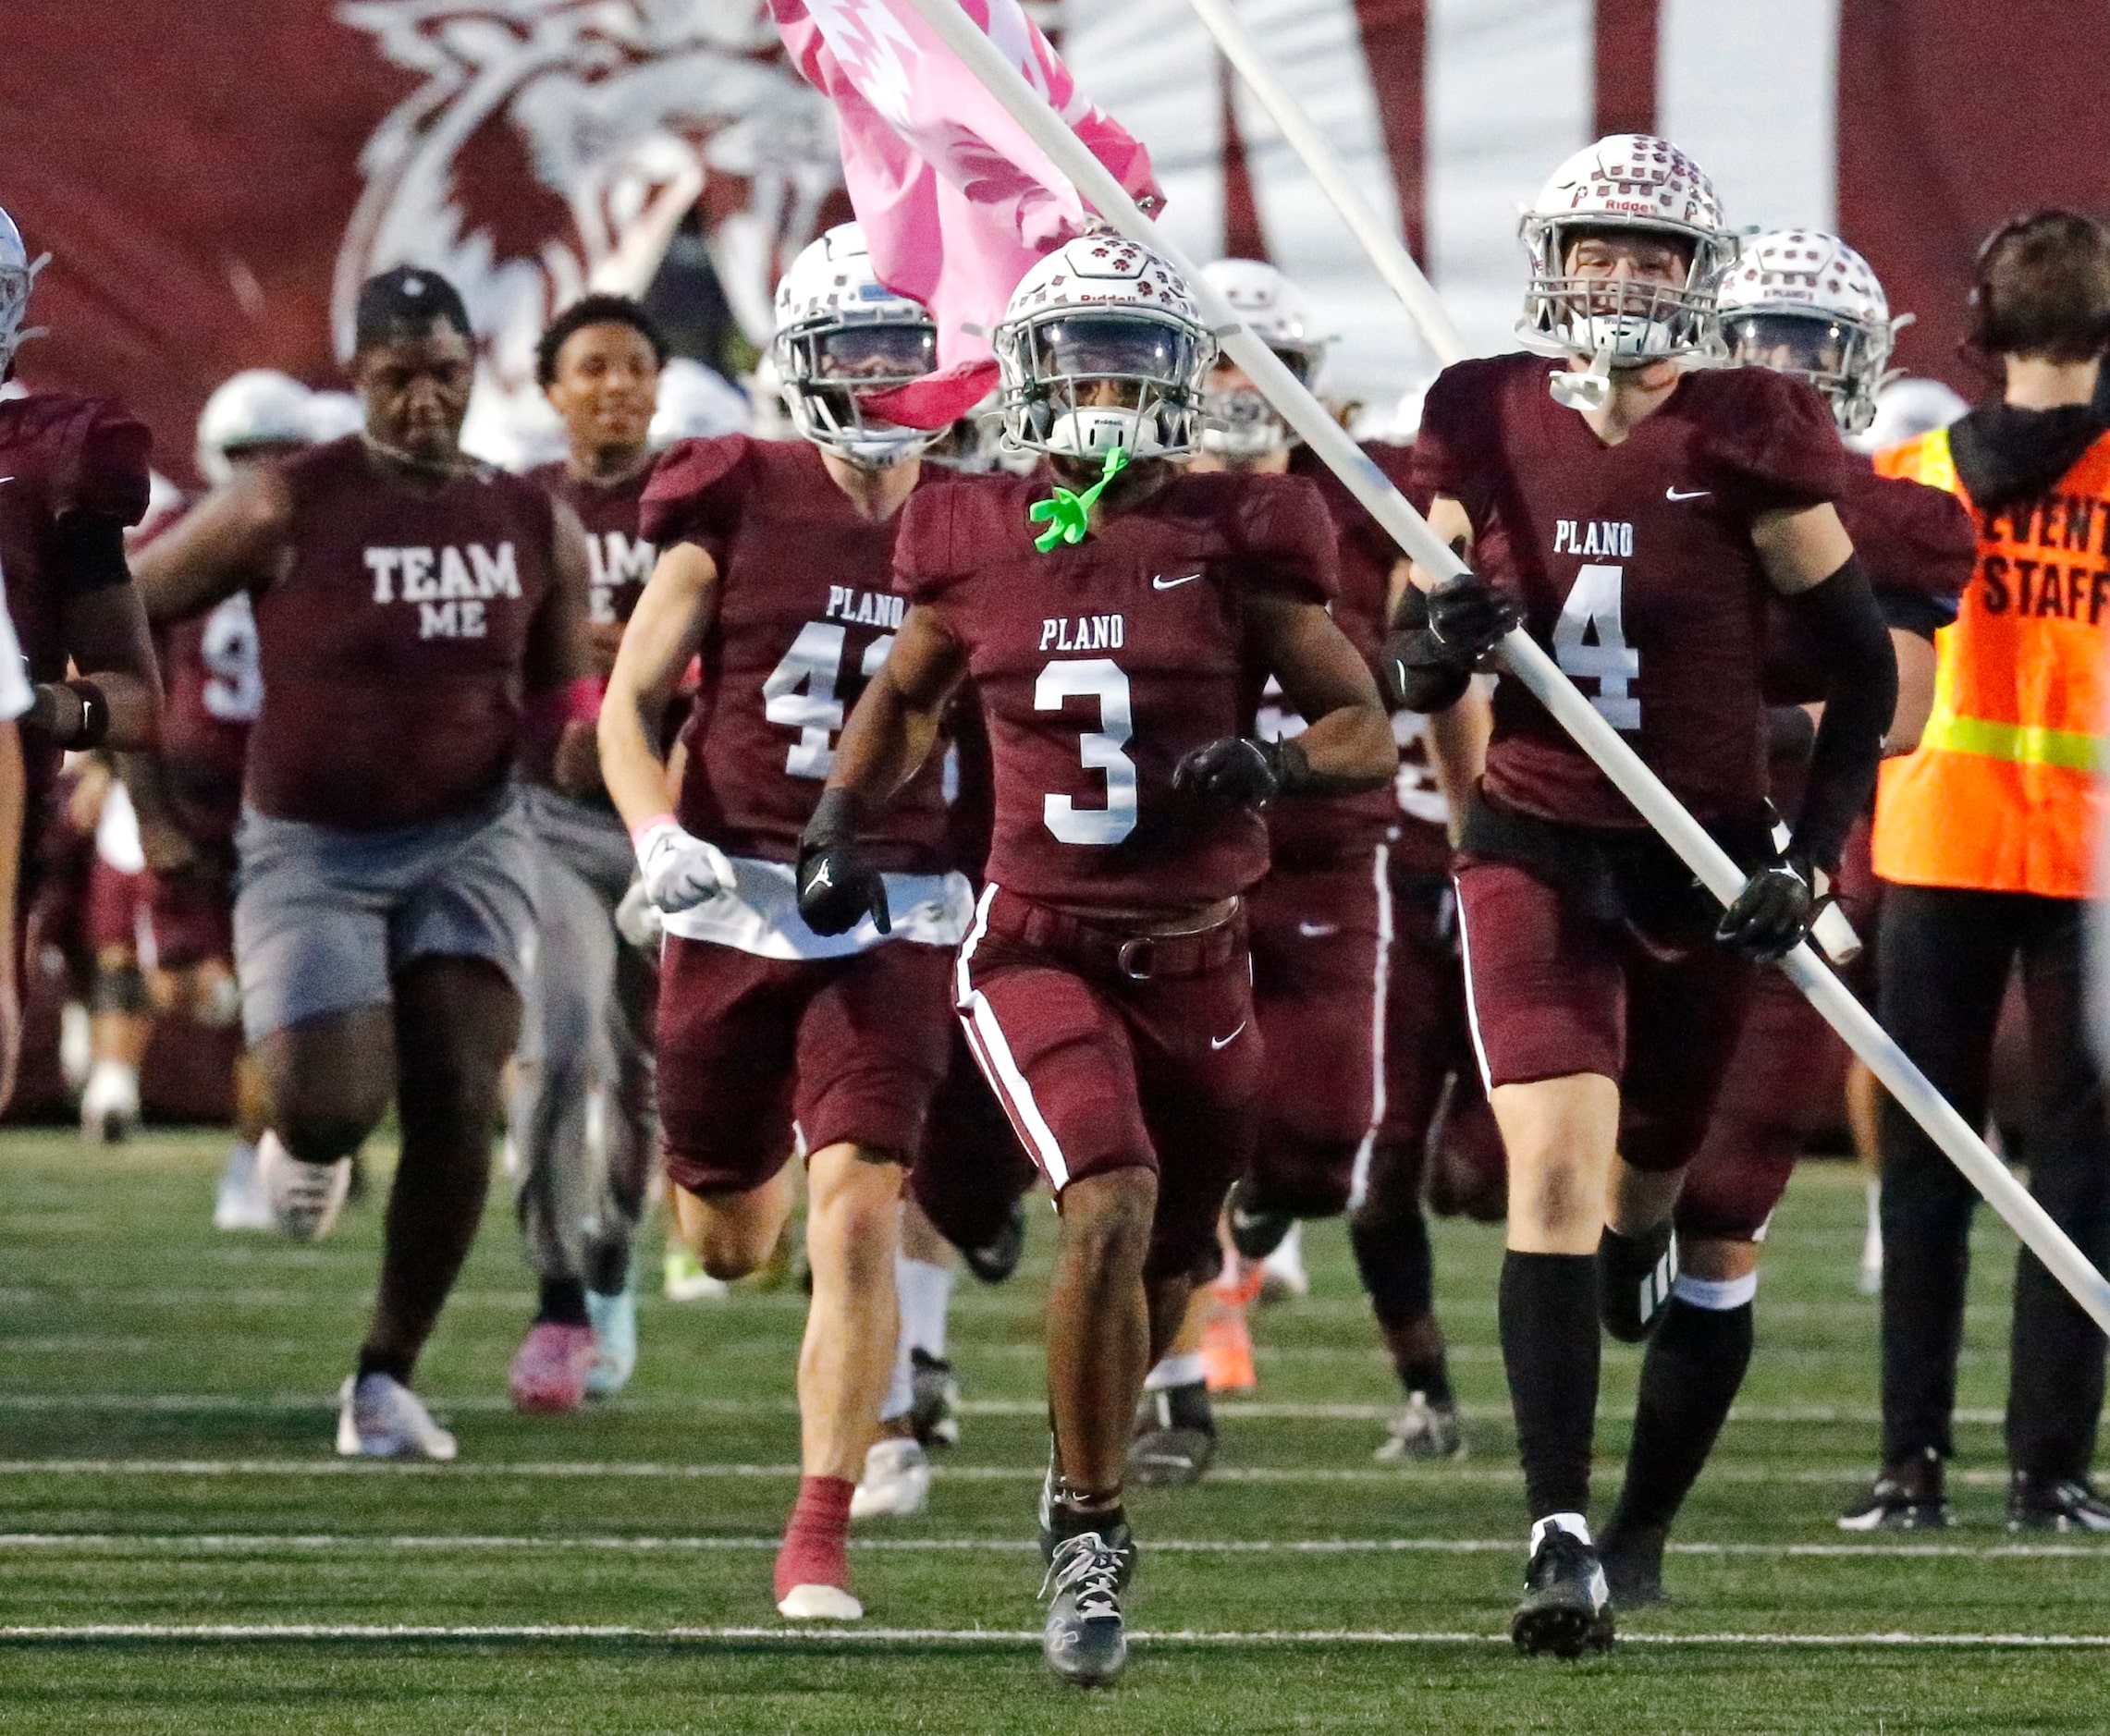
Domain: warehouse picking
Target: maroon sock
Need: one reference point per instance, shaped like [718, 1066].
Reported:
[816, 1538]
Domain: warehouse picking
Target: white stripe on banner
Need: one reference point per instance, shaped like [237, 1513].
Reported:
[1752, 91]
[1152, 65]
[1510, 91]
[1316, 48]
[1380, 984]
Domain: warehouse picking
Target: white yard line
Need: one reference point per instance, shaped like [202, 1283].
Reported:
[1397, 1475]
[838, 1635]
[210, 1542]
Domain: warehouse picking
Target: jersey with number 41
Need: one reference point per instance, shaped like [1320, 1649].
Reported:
[806, 614]
[1102, 663]
[1635, 568]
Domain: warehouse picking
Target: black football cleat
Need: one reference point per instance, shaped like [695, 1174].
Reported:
[1176, 1437]
[1083, 1638]
[1634, 1278]
[997, 1258]
[1632, 1563]
[1905, 1496]
[1566, 1607]
[2062, 1504]
[1255, 1235]
[933, 1400]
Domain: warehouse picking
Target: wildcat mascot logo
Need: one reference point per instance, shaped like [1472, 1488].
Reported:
[553, 146]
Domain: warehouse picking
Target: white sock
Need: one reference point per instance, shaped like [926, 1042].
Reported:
[1574, 1525]
[1719, 1295]
[924, 1293]
[1182, 1368]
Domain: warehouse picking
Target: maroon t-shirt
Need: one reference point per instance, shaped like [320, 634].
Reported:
[805, 615]
[1101, 663]
[63, 456]
[618, 554]
[1635, 568]
[399, 645]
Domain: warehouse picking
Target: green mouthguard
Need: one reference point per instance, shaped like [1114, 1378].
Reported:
[1072, 514]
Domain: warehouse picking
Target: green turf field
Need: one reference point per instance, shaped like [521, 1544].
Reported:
[181, 1551]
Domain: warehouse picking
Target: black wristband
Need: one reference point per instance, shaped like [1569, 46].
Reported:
[835, 820]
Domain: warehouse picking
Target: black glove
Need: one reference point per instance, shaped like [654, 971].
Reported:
[1235, 772]
[1467, 618]
[1774, 913]
[838, 886]
[1417, 674]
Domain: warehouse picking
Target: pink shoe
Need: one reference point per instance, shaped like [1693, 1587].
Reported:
[550, 1368]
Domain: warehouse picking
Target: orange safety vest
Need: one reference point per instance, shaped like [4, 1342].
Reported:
[2001, 794]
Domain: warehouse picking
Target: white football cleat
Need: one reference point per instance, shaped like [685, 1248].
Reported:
[896, 1482]
[1281, 1273]
[378, 1417]
[110, 1103]
[239, 1200]
[820, 1603]
[305, 1198]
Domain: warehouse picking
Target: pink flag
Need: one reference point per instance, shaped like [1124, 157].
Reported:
[955, 200]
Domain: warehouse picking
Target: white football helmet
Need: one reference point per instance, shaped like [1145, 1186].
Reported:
[696, 402]
[332, 415]
[1239, 423]
[1101, 345]
[1906, 409]
[18, 276]
[1628, 182]
[258, 407]
[1804, 302]
[841, 334]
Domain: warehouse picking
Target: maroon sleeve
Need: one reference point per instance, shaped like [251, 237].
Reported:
[103, 473]
[1770, 440]
[696, 495]
[1285, 539]
[949, 528]
[1449, 452]
[1910, 537]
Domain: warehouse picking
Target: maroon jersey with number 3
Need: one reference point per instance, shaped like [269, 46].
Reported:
[618, 554]
[1101, 663]
[1635, 566]
[806, 617]
[398, 646]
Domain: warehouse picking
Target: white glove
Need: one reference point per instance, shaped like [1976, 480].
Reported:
[638, 921]
[680, 872]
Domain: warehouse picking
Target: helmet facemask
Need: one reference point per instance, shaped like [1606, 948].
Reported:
[1844, 359]
[1620, 321]
[1238, 423]
[830, 366]
[15, 282]
[1078, 381]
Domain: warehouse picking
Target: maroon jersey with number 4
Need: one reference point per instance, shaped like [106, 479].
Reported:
[398, 646]
[1635, 566]
[1101, 663]
[618, 554]
[806, 617]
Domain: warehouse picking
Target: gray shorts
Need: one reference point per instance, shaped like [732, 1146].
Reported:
[326, 918]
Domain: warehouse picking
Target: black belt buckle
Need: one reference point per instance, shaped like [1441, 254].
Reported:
[1143, 948]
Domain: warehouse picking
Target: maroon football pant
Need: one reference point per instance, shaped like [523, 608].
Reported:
[755, 1051]
[1555, 991]
[1153, 1063]
[972, 1169]
[1321, 940]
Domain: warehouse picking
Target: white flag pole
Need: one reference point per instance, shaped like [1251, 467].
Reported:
[1387, 251]
[1527, 660]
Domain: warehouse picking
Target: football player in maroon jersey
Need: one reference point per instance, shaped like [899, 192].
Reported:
[1330, 923]
[187, 796]
[1105, 984]
[1636, 517]
[1806, 304]
[591, 997]
[418, 620]
[76, 475]
[774, 567]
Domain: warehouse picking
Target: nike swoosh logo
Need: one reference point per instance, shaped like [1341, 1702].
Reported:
[1225, 1043]
[1316, 931]
[1681, 494]
[1174, 585]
